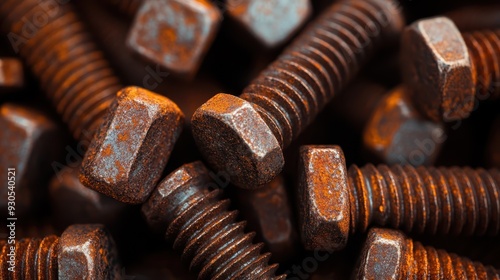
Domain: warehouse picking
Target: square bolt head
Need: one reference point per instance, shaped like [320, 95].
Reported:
[27, 141]
[437, 68]
[11, 73]
[398, 134]
[175, 34]
[87, 252]
[324, 213]
[271, 22]
[131, 148]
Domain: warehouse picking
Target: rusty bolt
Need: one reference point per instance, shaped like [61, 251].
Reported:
[11, 74]
[28, 144]
[336, 201]
[73, 203]
[55, 45]
[269, 212]
[130, 150]
[175, 34]
[244, 136]
[82, 252]
[270, 22]
[397, 133]
[448, 71]
[389, 254]
[188, 204]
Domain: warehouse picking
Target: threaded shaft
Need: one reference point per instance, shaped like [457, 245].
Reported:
[429, 263]
[34, 259]
[295, 87]
[216, 246]
[484, 51]
[458, 201]
[127, 7]
[61, 53]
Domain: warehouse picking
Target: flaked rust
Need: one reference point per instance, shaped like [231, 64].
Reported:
[130, 150]
[389, 254]
[432, 200]
[82, 252]
[175, 34]
[198, 223]
[290, 92]
[447, 71]
[11, 74]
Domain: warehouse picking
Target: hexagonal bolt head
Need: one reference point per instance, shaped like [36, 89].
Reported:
[175, 34]
[87, 252]
[11, 74]
[271, 22]
[324, 213]
[28, 144]
[131, 148]
[383, 255]
[74, 203]
[397, 134]
[278, 230]
[438, 70]
[157, 210]
[225, 129]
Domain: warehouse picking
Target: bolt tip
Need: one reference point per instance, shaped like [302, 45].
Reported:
[236, 141]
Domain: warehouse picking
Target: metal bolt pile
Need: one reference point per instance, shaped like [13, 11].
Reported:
[249, 139]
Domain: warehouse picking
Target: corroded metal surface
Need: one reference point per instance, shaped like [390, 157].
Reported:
[448, 72]
[291, 91]
[11, 74]
[130, 150]
[27, 145]
[397, 134]
[72, 202]
[389, 254]
[175, 34]
[269, 213]
[62, 55]
[455, 201]
[271, 22]
[200, 225]
[82, 252]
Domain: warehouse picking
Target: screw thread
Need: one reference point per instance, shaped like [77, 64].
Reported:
[61, 53]
[484, 51]
[437, 264]
[35, 258]
[458, 201]
[216, 246]
[291, 91]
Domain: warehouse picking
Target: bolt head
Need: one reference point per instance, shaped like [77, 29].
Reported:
[438, 70]
[235, 140]
[189, 179]
[324, 213]
[29, 144]
[398, 134]
[87, 252]
[74, 203]
[126, 158]
[175, 34]
[271, 22]
[383, 255]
